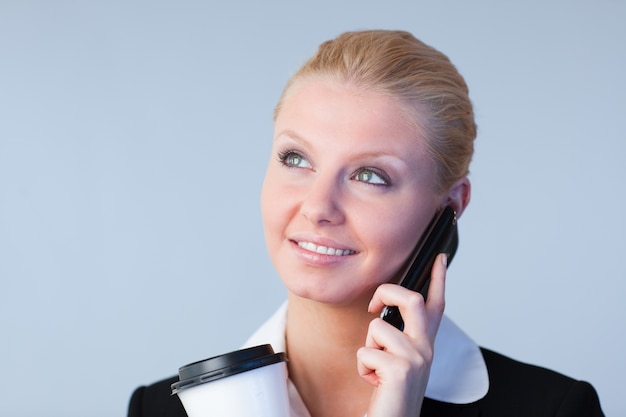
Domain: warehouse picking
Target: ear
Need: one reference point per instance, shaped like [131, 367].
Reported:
[459, 195]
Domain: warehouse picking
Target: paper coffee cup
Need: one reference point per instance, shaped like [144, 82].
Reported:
[249, 382]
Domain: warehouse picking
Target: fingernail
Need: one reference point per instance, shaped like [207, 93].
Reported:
[444, 260]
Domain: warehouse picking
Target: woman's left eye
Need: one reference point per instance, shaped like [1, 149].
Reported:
[370, 176]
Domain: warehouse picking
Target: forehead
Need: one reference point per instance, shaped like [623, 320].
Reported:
[343, 110]
[409, 106]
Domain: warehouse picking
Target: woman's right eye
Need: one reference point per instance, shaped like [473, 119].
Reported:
[293, 159]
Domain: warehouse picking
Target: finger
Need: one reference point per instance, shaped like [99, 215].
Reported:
[379, 366]
[391, 295]
[424, 318]
[436, 300]
[368, 360]
[410, 304]
[381, 336]
[419, 317]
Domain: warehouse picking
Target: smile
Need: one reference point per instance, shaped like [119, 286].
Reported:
[324, 250]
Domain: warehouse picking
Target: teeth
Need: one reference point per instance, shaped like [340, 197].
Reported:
[323, 250]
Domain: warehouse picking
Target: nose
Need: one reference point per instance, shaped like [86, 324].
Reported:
[322, 204]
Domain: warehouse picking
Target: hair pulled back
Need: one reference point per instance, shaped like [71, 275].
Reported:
[396, 64]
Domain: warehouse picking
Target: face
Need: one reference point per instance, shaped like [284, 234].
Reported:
[348, 191]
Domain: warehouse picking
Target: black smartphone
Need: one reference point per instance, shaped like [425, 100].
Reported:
[441, 236]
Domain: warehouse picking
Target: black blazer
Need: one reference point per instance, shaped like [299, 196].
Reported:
[515, 390]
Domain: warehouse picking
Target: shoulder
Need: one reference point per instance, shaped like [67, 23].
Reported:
[523, 389]
[518, 389]
[155, 400]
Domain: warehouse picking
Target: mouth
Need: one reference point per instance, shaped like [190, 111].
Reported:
[324, 250]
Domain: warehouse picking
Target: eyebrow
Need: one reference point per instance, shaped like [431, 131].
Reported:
[372, 154]
[293, 135]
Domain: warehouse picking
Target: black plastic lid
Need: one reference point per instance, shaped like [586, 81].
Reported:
[225, 365]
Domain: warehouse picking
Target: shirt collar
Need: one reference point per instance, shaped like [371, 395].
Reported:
[458, 373]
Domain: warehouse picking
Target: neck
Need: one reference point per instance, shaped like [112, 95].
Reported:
[341, 326]
[322, 342]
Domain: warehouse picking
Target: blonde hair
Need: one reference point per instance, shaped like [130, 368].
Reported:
[397, 64]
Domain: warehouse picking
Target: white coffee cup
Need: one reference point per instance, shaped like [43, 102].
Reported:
[249, 382]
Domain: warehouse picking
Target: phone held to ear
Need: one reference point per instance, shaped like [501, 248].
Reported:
[441, 236]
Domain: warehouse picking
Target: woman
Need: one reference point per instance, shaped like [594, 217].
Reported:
[373, 136]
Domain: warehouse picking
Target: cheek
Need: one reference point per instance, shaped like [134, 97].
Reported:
[269, 207]
[393, 236]
[275, 207]
[392, 246]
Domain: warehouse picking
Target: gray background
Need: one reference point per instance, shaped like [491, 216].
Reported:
[133, 142]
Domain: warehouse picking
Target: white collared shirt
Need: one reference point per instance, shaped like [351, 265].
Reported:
[458, 373]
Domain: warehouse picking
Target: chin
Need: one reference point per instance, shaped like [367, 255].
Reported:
[322, 297]
[332, 297]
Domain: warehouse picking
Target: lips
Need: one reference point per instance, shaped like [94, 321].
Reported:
[324, 250]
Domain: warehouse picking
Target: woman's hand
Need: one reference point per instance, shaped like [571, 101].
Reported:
[398, 363]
